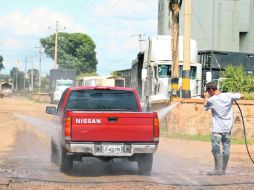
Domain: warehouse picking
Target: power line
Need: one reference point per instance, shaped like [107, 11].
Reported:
[202, 30]
[83, 8]
[206, 38]
[12, 50]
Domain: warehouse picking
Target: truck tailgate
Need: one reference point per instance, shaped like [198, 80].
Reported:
[111, 127]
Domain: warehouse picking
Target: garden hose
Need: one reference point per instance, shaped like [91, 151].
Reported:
[244, 132]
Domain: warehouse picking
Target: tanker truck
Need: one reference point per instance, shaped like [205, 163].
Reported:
[151, 70]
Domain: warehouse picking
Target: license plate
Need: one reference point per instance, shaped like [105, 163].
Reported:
[112, 149]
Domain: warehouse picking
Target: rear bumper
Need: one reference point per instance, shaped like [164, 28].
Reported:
[94, 149]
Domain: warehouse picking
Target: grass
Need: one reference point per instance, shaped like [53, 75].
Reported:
[249, 96]
[205, 138]
[241, 141]
[188, 137]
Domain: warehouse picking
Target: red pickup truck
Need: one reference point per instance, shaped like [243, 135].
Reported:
[103, 122]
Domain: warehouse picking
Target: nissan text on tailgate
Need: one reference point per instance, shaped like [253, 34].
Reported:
[106, 123]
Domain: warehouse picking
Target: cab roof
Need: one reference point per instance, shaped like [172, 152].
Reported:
[101, 88]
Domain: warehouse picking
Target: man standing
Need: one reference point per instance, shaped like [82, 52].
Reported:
[222, 122]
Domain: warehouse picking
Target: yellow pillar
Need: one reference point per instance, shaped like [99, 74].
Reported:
[186, 92]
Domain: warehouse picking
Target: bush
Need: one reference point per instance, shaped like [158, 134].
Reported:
[235, 79]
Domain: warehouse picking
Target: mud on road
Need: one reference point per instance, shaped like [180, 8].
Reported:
[25, 131]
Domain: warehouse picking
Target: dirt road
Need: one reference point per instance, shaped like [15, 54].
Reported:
[25, 131]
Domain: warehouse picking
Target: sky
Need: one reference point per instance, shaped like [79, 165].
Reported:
[114, 26]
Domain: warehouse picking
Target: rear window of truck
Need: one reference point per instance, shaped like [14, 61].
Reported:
[104, 100]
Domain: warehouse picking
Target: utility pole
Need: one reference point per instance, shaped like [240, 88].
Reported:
[32, 75]
[17, 71]
[40, 52]
[174, 8]
[56, 44]
[186, 93]
[140, 39]
[25, 75]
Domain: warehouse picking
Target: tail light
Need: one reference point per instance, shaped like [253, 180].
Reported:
[67, 127]
[156, 127]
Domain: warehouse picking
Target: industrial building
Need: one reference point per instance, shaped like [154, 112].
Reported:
[222, 25]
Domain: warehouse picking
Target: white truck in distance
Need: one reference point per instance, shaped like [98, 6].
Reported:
[156, 69]
[59, 80]
[101, 81]
[61, 85]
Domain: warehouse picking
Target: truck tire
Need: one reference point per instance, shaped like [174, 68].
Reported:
[54, 153]
[66, 161]
[145, 164]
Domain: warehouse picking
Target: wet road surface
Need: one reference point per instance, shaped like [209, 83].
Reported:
[29, 162]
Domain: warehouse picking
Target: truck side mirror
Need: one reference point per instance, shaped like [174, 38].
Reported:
[51, 110]
[144, 75]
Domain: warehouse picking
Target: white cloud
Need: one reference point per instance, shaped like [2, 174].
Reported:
[36, 22]
[10, 42]
[131, 44]
[110, 23]
[124, 8]
[121, 19]
[113, 47]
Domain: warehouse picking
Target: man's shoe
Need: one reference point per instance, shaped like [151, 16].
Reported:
[217, 166]
[216, 172]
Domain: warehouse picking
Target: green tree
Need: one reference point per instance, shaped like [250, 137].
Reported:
[75, 51]
[1, 63]
[87, 74]
[115, 74]
[235, 79]
[17, 78]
